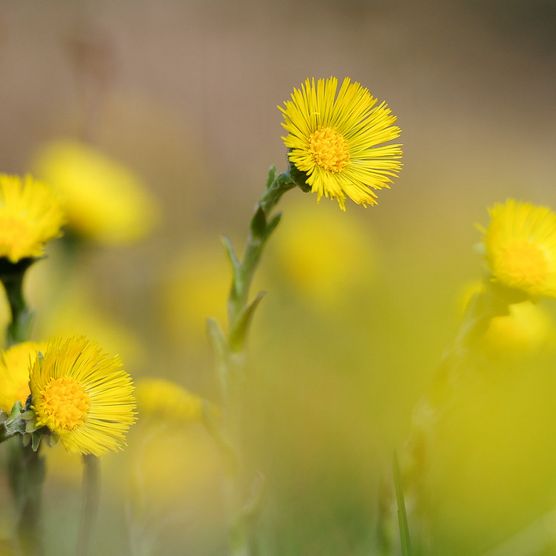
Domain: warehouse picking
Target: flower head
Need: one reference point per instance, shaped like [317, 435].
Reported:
[30, 215]
[166, 400]
[520, 245]
[323, 256]
[15, 363]
[104, 201]
[82, 395]
[336, 138]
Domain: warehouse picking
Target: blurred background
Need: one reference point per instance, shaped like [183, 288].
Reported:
[180, 96]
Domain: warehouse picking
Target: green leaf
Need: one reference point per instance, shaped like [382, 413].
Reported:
[243, 323]
[232, 257]
[217, 339]
[271, 226]
[271, 176]
[258, 223]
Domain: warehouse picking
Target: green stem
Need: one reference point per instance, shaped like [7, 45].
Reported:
[27, 471]
[402, 514]
[12, 276]
[89, 508]
[232, 361]
[26, 466]
[260, 230]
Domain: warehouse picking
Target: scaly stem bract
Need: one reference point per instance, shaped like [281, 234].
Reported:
[89, 508]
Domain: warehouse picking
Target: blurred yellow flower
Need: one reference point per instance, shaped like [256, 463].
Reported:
[75, 311]
[525, 329]
[337, 140]
[520, 244]
[82, 394]
[30, 215]
[196, 287]
[323, 255]
[167, 401]
[15, 363]
[104, 201]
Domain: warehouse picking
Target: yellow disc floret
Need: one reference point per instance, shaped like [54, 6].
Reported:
[64, 404]
[520, 245]
[30, 215]
[83, 395]
[329, 149]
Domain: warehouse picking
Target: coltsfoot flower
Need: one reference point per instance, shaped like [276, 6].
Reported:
[165, 400]
[30, 215]
[520, 247]
[15, 363]
[336, 139]
[104, 201]
[83, 396]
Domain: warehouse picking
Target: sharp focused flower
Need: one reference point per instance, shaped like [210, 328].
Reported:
[336, 138]
[103, 200]
[30, 215]
[166, 400]
[82, 395]
[15, 363]
[520, 245]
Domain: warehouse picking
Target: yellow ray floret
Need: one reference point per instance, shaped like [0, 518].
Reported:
[337, 138]
[15, 363]
[83, 395]
[165, 400]
[520, 245]
[30, 215]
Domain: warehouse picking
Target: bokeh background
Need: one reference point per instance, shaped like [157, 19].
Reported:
[360, 306]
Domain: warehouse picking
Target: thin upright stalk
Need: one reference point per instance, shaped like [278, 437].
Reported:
[231, 362]
[26, 466]
[405, 540]
[89, 507]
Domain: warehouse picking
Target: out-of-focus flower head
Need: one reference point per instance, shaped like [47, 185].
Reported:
[15, 363]
[163, 400]
[30, 215]
[196, 287]
[83, 396]
[520, 247]
[74, 309]
[323, 255]
[336, 140]
[104, 201]
[525, 329]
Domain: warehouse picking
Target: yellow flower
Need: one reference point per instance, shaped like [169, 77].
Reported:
[15, 363]
[524, 330]
[166, 400]
[104, 201]
[82, 395]
[30, 215]
[337, 140]
[195, 287]
[520, 245]
[324, 256]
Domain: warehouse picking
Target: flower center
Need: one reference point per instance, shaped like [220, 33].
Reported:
[329, 149]
[523, 264]
[64, 404]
